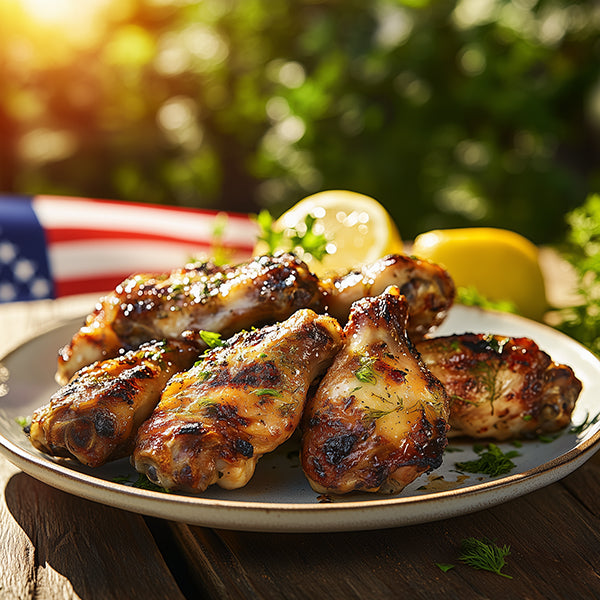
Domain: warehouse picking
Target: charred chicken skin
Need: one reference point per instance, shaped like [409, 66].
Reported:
[240, 401]
[95, 417]
[227, 299]
[501, 387]
[427, 287]
[197, 297]
[379, 418]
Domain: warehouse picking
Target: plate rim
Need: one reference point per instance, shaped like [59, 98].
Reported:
[300, 517]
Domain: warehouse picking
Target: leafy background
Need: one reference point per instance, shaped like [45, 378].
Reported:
[476, 112]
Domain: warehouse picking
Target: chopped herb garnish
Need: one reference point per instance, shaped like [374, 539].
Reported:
[589, 421]
[492, 461]
[23, 421]
[366, 373]
[211, 338]
[204, 375]
[141, 482]
[266, 392]
[453, 449]
[547, 439]
[444, 567]
[484, 555]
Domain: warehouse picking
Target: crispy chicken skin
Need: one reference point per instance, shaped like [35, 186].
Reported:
[94, 418]
[237, 403]
[203, 296]
[501, 387]
[428, 288]
[379, 418]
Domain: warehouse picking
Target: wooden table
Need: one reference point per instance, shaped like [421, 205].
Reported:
[57, 546]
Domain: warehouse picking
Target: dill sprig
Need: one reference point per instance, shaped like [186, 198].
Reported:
[484, 555]
[492, 461]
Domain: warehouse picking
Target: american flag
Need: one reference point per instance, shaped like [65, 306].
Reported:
[52, 246]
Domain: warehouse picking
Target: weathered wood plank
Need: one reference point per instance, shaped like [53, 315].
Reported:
[554, 535]
[57, 546]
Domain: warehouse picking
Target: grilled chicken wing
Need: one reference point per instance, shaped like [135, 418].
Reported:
[94, 418]
[501, 387]
[197, 297]
[379, 417]
[428, 288]
[237, 403]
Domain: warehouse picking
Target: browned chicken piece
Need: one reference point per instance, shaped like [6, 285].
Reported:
[379, 418]
[237, 403]
[95, 417]
[501, 387]
[428, 288]
[226, 300]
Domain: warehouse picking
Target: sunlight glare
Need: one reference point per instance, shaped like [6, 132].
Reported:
[68, 15]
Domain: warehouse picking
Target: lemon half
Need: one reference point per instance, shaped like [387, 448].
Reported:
[357, 227]
[500, 264]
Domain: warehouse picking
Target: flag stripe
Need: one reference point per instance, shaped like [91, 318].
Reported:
[81, 215]
[85, 245]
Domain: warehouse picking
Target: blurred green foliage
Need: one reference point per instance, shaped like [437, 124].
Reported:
[476, 112]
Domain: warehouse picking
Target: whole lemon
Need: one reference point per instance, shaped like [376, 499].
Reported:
[500, 264]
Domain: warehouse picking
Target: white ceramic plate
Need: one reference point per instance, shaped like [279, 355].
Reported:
[278, 498]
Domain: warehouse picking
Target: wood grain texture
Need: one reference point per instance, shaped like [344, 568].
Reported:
[554, 535]
[55, 545]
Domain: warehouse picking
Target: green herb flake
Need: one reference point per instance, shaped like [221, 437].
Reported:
[23, 422]
[492, 461]
[484, 555]
[547, 439]
[267, 392]
[142, 482]
[211, 338]
[366, 373]
[444, 567]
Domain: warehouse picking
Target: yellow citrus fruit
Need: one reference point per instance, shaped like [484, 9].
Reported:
[358, 230]
[500, 264]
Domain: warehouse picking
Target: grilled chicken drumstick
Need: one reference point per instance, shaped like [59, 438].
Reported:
[95, 417]
[379, 417]
[228, 299]
[197, 297]
[427, 287]
[501, 387]
[237, 403]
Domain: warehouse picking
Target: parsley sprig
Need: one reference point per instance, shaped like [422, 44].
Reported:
[303, 236]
